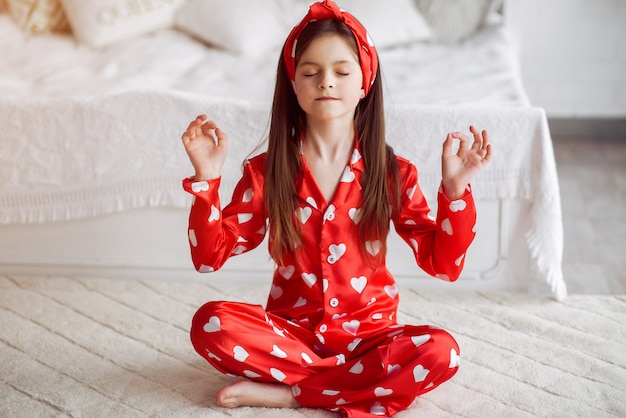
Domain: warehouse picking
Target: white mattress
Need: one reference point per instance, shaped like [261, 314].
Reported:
[482, 70]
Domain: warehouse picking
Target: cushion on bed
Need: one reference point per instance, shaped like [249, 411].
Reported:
[249, 27]
[102, 22]
[390, 23]
[37, 16]
[452, 21]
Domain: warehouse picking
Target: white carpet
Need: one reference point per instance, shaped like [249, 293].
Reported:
[114, 348]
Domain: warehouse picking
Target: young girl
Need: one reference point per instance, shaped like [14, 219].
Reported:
[327, 188]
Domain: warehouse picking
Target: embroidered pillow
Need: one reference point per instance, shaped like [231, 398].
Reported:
[38, 16]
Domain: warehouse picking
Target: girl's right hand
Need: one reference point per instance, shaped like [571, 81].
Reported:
[206, 146]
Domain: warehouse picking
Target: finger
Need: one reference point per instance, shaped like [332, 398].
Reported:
[447, 145]
[488, 154]
[478, 139]
[207, 127]
[464, 140]
[485, 139]
[196, 122]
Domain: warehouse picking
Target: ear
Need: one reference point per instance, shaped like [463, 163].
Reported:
[362, 93]
[293, 85]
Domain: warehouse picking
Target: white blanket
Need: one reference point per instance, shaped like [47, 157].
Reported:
[115, 348]
[62, 158]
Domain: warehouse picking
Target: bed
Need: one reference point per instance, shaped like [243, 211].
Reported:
[91, 162]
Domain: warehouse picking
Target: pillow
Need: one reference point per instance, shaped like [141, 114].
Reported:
[248, 27]
[101, 22]
[452, 21]
[38, 16]
[389, 23]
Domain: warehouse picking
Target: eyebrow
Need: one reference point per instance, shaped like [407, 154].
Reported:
[334, 63]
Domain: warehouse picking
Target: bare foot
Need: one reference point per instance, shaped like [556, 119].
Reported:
[247, 393]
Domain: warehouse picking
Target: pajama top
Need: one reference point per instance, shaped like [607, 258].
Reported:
[336, 290]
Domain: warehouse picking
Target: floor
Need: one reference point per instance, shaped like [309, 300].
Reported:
[592, 175]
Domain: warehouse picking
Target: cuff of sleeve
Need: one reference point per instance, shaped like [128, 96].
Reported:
[199, 187]
[456, 205]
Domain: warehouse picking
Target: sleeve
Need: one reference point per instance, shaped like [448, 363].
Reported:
[439, 244]
[216, 234]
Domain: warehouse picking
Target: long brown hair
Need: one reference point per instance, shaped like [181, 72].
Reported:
[380, 182]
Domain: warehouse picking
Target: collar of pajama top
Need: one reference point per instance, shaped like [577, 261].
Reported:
[336, 289]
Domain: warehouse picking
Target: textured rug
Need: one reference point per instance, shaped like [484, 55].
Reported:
[116, 348]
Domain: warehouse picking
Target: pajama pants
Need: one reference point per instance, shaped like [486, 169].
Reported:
[381, 376]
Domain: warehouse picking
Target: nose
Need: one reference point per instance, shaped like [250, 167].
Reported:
[327, 80]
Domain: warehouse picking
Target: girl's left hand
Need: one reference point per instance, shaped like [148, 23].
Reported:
[458, 169]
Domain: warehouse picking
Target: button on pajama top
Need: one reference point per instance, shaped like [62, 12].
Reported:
[329, 328]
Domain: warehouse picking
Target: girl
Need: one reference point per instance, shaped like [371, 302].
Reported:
[327, 187]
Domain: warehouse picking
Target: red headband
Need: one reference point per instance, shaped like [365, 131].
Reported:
[329, 10]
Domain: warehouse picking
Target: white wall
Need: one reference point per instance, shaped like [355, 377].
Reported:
[573, 55]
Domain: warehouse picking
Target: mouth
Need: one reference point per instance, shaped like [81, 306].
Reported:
[326, 99]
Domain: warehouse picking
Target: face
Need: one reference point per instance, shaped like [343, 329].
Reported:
[328, 81]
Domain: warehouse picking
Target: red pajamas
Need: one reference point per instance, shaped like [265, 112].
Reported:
[329, 328]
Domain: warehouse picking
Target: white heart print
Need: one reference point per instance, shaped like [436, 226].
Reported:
[446, 226]
[336, 252]
[353, 345]
[248, 195]
[351, 327]
[250, 374]
[240, 249]
[206, 269]
[378, 409]
[358, 283]
[458, 205]
[311, 202]
[276, 292]
[192, 238]
[306, 358]
[300, 302]
[305, 214]
[354, 213]
[242, 218]
[357, 368]
[213, 325]
[393, 369]
[199, 186]
[391, 290]
[455, 359]
[380, 391]
[240, 354]
[420, 339]
[420, 373]
[373, 247]
[286, 271]
[277, 374]
[411, 192]
[328, 392]
[309, 278]
[215, 214]
[459, 260]
[277, 352]
[347, 176]
[443, 277]
[356, 156]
